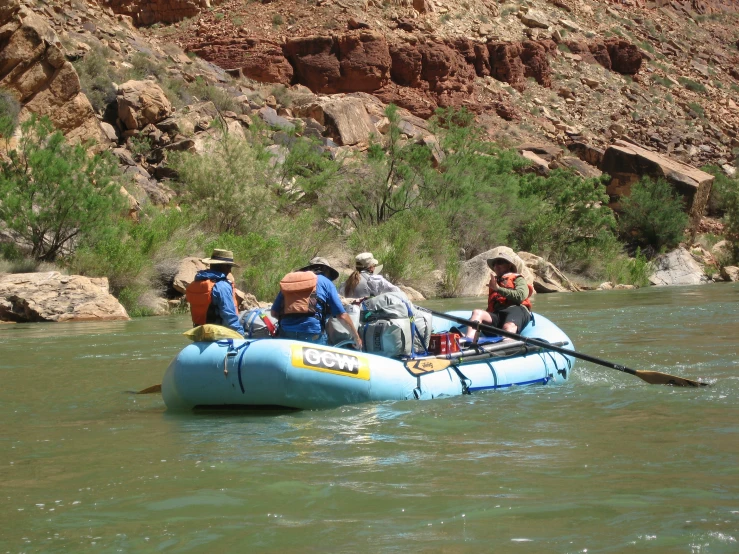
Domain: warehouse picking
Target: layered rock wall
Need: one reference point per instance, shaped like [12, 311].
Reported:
[442, 72]
[158, 11]
[35, 71]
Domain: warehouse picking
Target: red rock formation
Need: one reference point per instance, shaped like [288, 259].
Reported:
[506, 64]
[407, 62]
[315, 62]
[358, 61]
[536, 64]
[625, 57]
[155, 11]
[364, 60]
[265, 62]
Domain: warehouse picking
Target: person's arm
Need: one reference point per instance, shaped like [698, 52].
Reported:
[350, 324]
[337, 310]
[378, 284]
[517, 295]
[276, 306]
[222, 297]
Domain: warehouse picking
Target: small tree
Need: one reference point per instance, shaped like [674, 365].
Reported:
[9, 109]
[652, 215]
[52, 194]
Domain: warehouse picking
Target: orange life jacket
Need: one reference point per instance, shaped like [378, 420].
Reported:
[299, 295]
[202, 310]
[497, 301]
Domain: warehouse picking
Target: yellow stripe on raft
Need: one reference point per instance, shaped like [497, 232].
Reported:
[338, 362]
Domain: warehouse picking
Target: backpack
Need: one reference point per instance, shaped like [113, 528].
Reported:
[391, 326]
[254, 324]
[337, 329]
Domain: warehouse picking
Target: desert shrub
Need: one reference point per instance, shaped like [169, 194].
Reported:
[55, 194]
[305, 173]
[665, 82]
[129, 252]
[652, 215]
[227, 186]
[726, 196]
[619, 268]
[97, 77]
[691, 85]
[411, 246]
[9, 110]
[265, 257]
[221, 98]
[571, 221]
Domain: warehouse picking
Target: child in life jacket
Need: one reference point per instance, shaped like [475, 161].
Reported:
[509, 307]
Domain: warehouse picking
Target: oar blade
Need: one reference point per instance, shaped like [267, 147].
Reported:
[429, 365]
[657, 378]
[151, 390]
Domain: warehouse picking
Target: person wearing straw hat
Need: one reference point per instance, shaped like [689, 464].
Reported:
[306, 299]
[509, 306]
[212, 296]
[366, 281]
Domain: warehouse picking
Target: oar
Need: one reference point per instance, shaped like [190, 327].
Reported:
[651, 377]
[421, 366]
[151, 390]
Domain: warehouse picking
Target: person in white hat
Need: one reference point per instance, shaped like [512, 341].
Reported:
[211, 295]
[509, 307]
[306, 299]
[365, 280]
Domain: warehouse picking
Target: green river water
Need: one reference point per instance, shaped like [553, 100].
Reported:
[604, 463]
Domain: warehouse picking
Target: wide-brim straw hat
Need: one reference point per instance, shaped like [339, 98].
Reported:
[322, 263]
[220, 257]
[365, 260]
[506, 258]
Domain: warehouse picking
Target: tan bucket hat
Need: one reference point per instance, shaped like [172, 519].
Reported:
[324, 266]
[220, 257]
[365, 260]
[501, 255]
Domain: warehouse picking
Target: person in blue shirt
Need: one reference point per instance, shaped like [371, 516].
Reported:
[211, 295]
[306, 301]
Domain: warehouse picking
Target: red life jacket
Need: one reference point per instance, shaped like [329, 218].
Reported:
[497, 301]
[202, 310]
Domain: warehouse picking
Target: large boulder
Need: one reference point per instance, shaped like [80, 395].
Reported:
[186, 273]
[547, 278]
[475, 274]
[345, 117]
[141, 103]
[677, 268]
[626, 163]
[51, 296]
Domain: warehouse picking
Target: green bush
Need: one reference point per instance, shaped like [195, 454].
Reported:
[726, 196]
[411, 246]
[55, 194]
[227, 186]
[691, 85]
[221, 98]
[572, 219]
[652, 215]
[9, 110]
[97, 77]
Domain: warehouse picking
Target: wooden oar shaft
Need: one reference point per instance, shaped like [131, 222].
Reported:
[652, 377]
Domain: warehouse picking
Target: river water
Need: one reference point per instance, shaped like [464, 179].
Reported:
[603, 463]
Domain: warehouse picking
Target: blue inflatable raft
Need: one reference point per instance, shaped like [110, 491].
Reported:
[281, 373]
